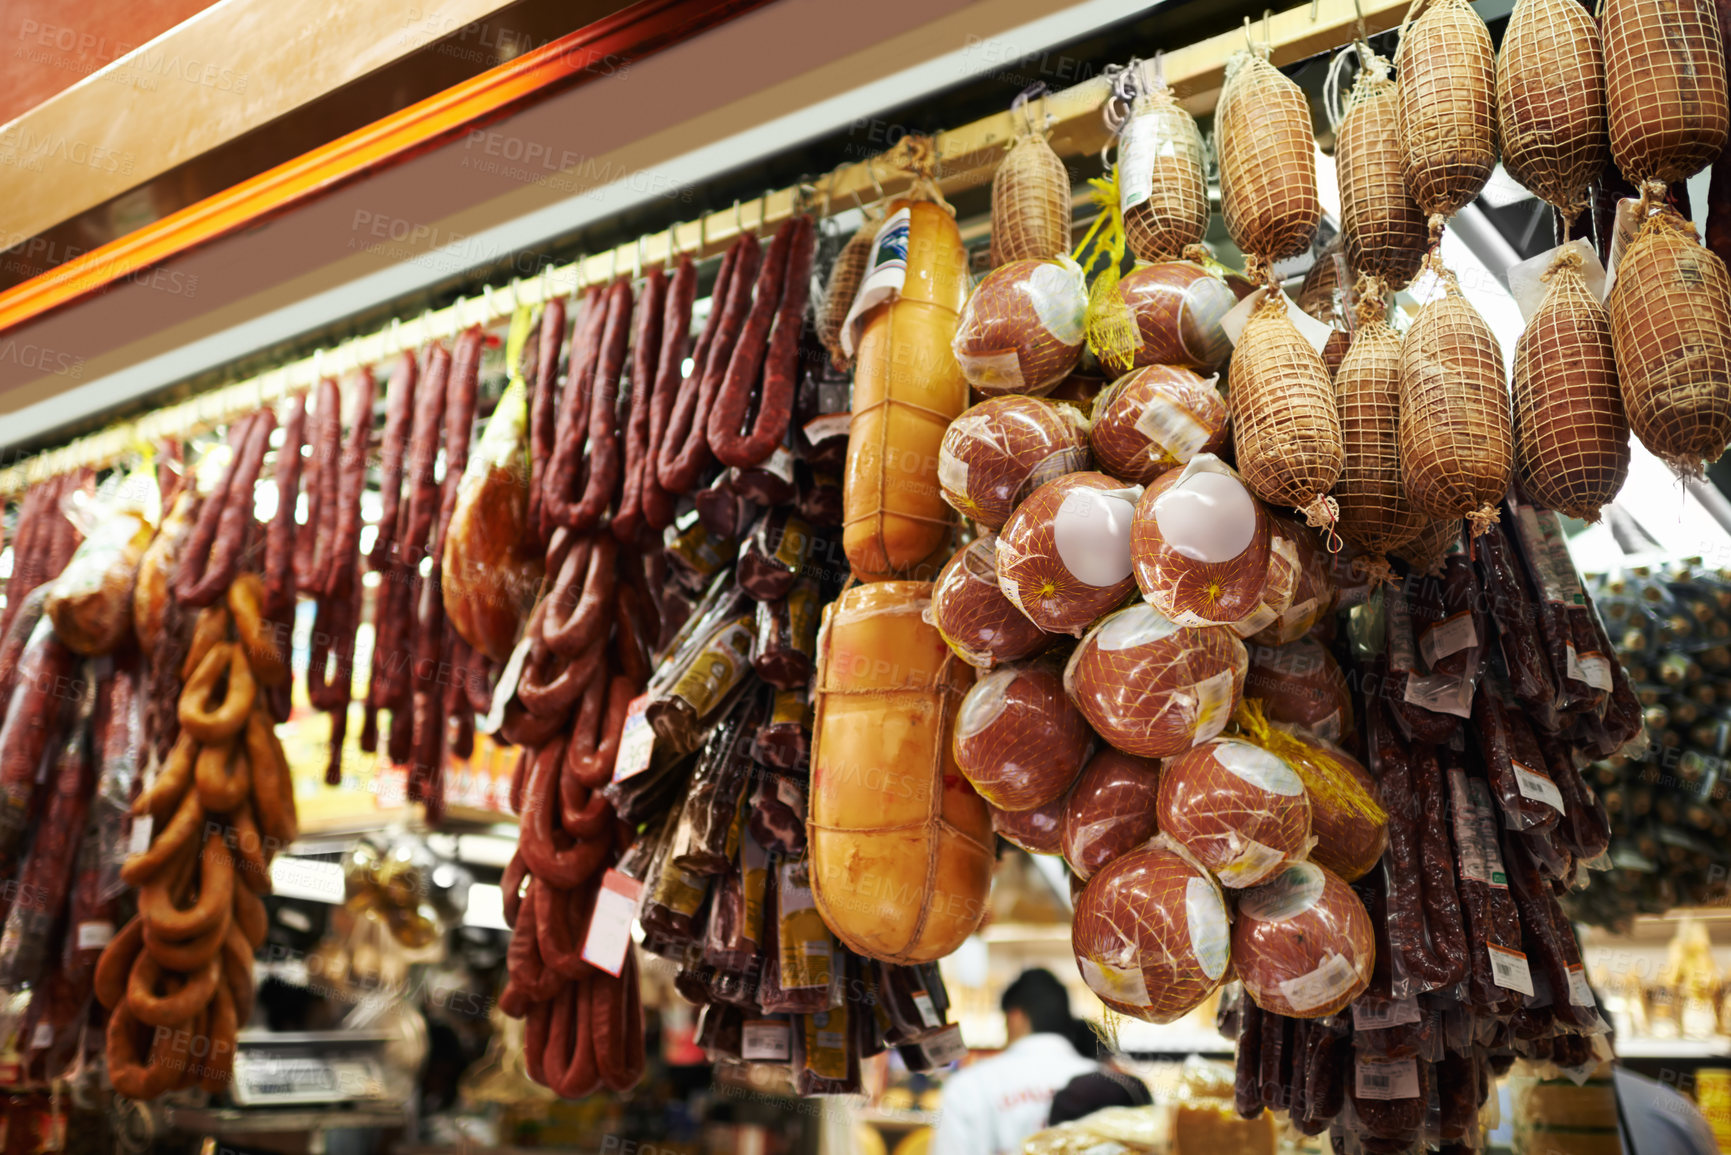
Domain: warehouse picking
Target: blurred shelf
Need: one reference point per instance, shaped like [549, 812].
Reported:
[1674, 1048]
[209, 1121]
[880, 1117]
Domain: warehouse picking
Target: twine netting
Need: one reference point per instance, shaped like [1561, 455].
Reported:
[1285, 427]
[1456, 430]
[1447, 107]
[1375, 514]
[1267, 154]
[1670, 315]
[1327, 295]
[1551, 102]
[1030, 203]
[1163, 146]
[844, 281]
[1665, 88]
[1383, 227]
[1571, 437]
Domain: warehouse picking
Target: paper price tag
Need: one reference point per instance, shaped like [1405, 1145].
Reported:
[1580, 994]
[1370, 1014]
[309, 879]
[490, 722]
[94, 935]
[945, 1046]
[1396, 1080]
[1449, 636]
[610, 926]
[42, 1036]
[141, 831]
[928, 1012]
[765, 1040]
[1312, 330]
[1509, 969]
[636, 741]
[1538, 787]
[827, 425]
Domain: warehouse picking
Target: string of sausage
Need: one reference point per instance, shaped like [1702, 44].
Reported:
[571, 428]
[655, 502]
[213, 550]
[389, 623]
[542, 405]
[645, 350]
[685, 453]
[782, 290]
[396, 691]
[560, 502]
[310, 561]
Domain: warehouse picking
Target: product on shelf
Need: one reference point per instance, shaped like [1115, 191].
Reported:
[1064, 555]
[1155, 418]
[1021, 330]
[980, 624]
[1448, 119]
[998, 452]
[1665, 89]
[1199, 545]
[1267, 160]
[1162, 177]
[1238, 809]
[1551, 102]
[1383, 228]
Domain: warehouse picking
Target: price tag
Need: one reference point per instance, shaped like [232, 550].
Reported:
[94, 935]
[308, 879]
[765, 1040]
[610, 925]
[1449, 636]
[142, 827]
[1370, 1014]
[944, 1046]
[42, 1037]
[1396, 1080]
[490, 722]
[1538, 787]
[1580, 994]
[1509, 969]
[636, 741]
[928, 1012]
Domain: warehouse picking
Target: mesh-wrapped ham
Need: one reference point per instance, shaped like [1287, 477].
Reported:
[1179, 307]
[1200, 545]
[976, 620]
[1151, 936]
[1284, 571]
[1239, 809]
[1350, 826]
[1064, 555]
[1038, 831]
[1001, 450]
[1303, 944]
[1021, 331]
[1153, 688]
[1314, 594]
[1300, 684]
[1110, 810]
[1019, 740]
[1154, 419]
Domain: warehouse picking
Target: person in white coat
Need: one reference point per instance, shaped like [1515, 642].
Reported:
[991, 1107]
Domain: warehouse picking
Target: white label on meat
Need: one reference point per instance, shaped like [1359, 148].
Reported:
[141, 828]
[985, 702]
[609, 936]
[1371, 1014]
[999, 372]
[1333, 977]
[1509, 969]
[1312, 330]
[1139, 625]
[1207, 515]
[1580, 994]
[1449, 636]
[952, 470]
[1259, 619]
[1260, 768]
[1172, 429]
[928, 1010]
[1390, 1080]
[1214, 704]
[1294, 891]
[1329, 729]
[94, 935]
[1060, 299]
[1526, 280]
[779, 463]
[506, 689]
[1401, 653]
[636, 740]
[885, 275]
[1538, 787]
[1210, 934]
[1298, 614]
[1477, 852]
[827, 425]
[42, 1036]
[765, 1040]
[1123, 985]
[1442, 694]
[1595, 671]
[943, 1047]
[1253, 863]
[1136, 152]
[1092, 533]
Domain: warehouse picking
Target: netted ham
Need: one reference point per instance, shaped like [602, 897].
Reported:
[976, 620]
[844, 280]
[1301, 684]
[1284, 571]
[1162, 178]
[1571, 435]
[1155, 418]
[1153, 688]
[1064, 555]
[1285, 427]
[1327, 295]
[1178, 307]
[1448, 125]
[1267, 160]
[1375, 514]
[1151, 936]
[1313, 593]
[1030, 201]
[1457, 450]
[1383, 227]
[1018, 739]
[1038, 831]
[1303, 944]
[1238, 809]
[1021, 331]
[1665, 89]
[1551, 102]
[1349, 824]
[1001, 450]
[1199, 545]
[1110, 811]
[1671, 328]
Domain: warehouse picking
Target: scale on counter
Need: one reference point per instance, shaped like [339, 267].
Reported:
[284, 1069]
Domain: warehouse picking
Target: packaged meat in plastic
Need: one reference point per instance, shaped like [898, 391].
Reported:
[801, 959]
[711, 660]
[1313, 595]
[1064, 555]
[773, 554]
[709, 827]
[1277, 595]
[695, 555]
[1110, 811]
[1022, 330]
[1300, 684]
[1151, 935]
[1200, 546]
[1179, 307]
[1019, 740]
[1153, 688]
[150, 596]
[970, 610]
[1349, 824]
[90, 603]
[1302, 943]
[825, 1057]
[787, 636]
[1154, 419]
[1239, 809]
[1038, 831]
[784, 738]
[901, 845]
[778, 809]
[1001, 450]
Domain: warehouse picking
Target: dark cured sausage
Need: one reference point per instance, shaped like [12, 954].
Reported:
[571, 430]
[684, 420]
[604, 449]
[543, 406]
[389, 622]
[213, 550]
[694, 456]
[780, 368]
[279, 554]
[656, 502]
[732, 400]
[645, 349]
[311, 557]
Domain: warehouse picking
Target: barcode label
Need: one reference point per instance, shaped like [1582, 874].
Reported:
[1580, 994]
[141, 829]
[1449, 636]
[928, 1010]
[1395, 1080]
[1538, 787]
[1479, 856]
[1371, 1014]
[1509, 969]
[765, 1040]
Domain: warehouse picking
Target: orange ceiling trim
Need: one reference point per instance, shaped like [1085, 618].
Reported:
[629, 34]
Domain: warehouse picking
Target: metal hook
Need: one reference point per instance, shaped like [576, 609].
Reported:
[763, 211]
[1363, 33]
[672, 245]
[738, 224]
